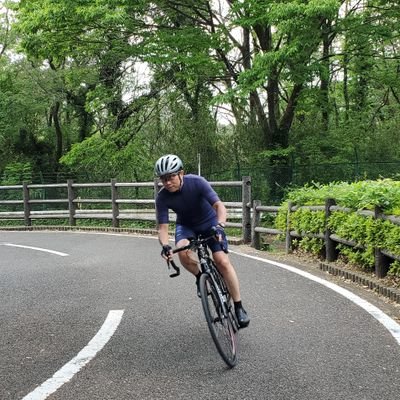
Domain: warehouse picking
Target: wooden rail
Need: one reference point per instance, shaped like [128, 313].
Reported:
[382, 257]
[72, 205]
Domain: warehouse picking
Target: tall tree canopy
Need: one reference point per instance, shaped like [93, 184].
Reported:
[243, 83]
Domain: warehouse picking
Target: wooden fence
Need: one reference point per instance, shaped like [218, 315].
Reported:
[382, 257]
[245, 215]
[71, 206]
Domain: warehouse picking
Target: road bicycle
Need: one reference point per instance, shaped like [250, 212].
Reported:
[216, 301]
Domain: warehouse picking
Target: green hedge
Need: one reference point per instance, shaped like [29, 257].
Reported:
[367, 232]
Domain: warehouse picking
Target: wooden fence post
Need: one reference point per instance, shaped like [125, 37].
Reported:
[27, 208]
[156, 181]
[255, 236]
[114, 204]
[246, 209]
[330, 246]
[288, 238]
[71, 204]
[382, 262]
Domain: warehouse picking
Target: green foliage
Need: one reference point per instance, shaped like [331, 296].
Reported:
[298, 33]
[23, 105]
[263, 63]
[364, 231]
[395, 268]
[388, 236]
[361, 258]
[367, 232]
[281, 218]
[16, 173]
[307, 221]
[351, 226]
[384, 193]
[102, 157]
[311, 245]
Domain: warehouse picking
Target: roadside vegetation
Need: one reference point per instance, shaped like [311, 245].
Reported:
[368, 232]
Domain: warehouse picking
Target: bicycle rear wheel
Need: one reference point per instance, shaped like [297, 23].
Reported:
[221, 326]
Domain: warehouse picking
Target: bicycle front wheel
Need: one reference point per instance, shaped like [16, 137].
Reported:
[219, 323]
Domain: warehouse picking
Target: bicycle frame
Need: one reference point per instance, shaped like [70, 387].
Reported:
[207, 265]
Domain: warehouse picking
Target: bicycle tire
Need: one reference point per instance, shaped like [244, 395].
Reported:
[222, 328]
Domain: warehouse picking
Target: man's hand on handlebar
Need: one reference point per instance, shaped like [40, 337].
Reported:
[218, 232]
[219, 235]
[166, 252]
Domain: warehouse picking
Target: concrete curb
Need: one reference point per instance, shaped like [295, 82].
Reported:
[79, 228]
[363, 280]
[143, 231]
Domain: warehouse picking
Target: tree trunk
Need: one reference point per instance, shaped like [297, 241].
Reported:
[324, 87]
[57, 128]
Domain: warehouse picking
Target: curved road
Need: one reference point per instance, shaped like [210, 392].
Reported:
[101, 311]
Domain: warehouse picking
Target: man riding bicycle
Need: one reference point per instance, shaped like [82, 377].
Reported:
[199, 211]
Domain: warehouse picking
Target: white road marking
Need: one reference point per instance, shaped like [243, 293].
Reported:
[66, 373]
[58, 253]
[391, 325]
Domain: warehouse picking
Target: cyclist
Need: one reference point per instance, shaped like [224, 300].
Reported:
[198, 210]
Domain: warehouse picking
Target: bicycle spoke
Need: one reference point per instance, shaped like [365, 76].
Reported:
[221, 326]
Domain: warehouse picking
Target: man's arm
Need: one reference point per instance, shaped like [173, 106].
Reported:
[220, 208]
[163, 236]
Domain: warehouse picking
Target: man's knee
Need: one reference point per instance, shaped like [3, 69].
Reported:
[187, 258]
[223, 264]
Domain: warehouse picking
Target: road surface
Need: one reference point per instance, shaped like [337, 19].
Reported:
[95, 316]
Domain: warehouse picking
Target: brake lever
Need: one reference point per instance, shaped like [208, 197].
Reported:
[170, 264]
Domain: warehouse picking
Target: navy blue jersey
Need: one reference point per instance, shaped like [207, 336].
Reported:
[192, 204]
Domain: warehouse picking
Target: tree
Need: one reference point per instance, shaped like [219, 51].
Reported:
[5, 34]
[304, 80]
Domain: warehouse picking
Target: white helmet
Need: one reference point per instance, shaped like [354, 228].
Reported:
[168, 164]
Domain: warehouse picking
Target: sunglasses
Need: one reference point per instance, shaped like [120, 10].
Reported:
[168, 177]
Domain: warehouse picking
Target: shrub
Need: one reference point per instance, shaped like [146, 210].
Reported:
[369, 233]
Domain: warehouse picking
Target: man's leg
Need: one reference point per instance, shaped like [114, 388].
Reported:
[228, 272]
[188, 258]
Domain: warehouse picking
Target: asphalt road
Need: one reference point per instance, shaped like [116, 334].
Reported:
[305, 341]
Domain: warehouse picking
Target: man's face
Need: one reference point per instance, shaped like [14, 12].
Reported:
[172, 182]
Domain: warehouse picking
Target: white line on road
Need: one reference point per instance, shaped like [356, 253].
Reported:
[67, 372]
[391, 325]
[58, 253]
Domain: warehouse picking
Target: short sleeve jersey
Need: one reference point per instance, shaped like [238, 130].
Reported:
[192, 204]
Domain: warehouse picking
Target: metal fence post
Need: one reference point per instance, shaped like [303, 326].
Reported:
[114, 204]
[255, 222]
[246, 209]
[71, 204]
[330, 246]
[27, 208]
